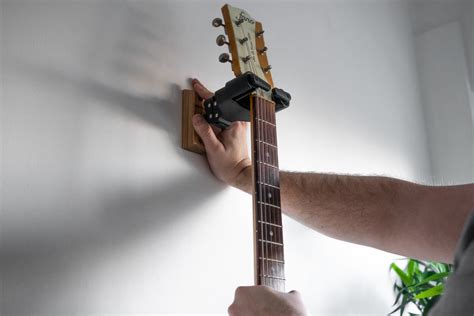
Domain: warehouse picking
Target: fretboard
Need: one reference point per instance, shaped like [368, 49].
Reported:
[269, 259]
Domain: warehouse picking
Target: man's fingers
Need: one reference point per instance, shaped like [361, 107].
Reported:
[201, 90]
[204, 130]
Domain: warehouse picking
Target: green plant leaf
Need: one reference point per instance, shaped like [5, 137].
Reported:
[433, 277]
[412, 266]
[405, 279]
[434, 291]
[419, 283]
[396, 309]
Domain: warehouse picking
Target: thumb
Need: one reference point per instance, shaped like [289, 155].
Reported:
[204, 130]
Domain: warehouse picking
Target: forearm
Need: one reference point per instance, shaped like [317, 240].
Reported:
[350, 208]
[393, 215]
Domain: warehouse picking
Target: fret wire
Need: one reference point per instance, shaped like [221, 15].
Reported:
[268, 184]
[272, 276]
[275, 206]
[271, 242]
[267, 143]
[274, 260]
[266, 122]
[267, 223]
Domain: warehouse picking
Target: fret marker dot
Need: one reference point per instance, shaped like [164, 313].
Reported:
[269, 195]
[270, 233]
[267, 154]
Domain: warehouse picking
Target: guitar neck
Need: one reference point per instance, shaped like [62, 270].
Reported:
[268, 239]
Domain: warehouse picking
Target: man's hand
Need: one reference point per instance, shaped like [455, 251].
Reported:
[226, 150]
[262, 301]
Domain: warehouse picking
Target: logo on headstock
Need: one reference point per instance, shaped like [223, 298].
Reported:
[243, 17]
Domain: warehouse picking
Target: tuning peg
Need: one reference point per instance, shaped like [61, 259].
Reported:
[224, 57]
[267, 69]
[221, 40]
[260, 33]
[262, 50]
[217, 22]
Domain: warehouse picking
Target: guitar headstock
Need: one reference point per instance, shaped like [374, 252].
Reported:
[245, 42]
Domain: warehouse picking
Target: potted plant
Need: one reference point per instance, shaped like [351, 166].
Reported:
[419, 284]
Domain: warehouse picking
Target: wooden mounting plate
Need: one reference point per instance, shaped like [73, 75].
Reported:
[191, 104]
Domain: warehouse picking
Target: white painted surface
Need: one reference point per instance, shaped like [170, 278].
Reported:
[427, 15]
[445, 93]
[102, 210]
[467, 25]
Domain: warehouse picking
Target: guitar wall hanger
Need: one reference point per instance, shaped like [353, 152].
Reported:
[231, 103]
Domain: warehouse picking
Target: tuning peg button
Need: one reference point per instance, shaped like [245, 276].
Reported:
[224, 57]
[260, 33]
[263, 50]
[221, 40]
[217, 22]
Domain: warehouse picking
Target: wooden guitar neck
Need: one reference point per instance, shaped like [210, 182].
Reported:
[268, 238]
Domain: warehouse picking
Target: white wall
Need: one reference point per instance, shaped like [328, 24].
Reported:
[102, 211]
[467, 25]
[446, 93]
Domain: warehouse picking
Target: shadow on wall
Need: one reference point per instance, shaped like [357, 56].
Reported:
[125, 213]
[39, 266]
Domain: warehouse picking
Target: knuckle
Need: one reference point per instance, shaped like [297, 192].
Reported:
[232, 310]
[239, 290]
[207, 131]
